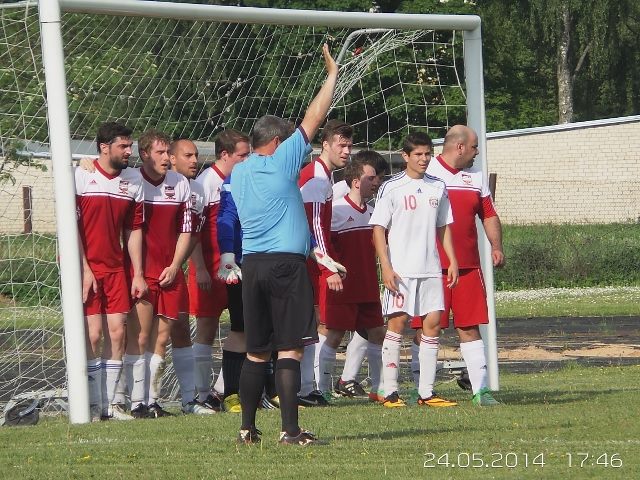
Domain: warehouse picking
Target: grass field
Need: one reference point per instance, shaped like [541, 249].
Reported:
[577, 411]
[569, 302]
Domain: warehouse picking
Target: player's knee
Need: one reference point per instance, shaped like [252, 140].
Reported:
[334, 337]
[376, 335]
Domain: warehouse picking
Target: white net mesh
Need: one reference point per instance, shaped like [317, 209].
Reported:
[190, 79]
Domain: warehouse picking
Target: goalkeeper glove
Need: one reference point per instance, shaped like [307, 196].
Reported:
[229, 271]
[328, 262]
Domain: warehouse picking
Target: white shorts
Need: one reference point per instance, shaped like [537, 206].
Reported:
[416, 297]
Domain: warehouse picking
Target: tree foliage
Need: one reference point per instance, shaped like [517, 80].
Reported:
[113, 62]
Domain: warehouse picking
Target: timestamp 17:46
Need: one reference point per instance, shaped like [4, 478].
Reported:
[585, 459]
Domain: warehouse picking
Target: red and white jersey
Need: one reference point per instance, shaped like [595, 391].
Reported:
[167, 214]
[197, 206]
[106, 206]
[469, 196]
[352, 240]
[211, 182]
[411, 209]
[315, 187]
[340, 189]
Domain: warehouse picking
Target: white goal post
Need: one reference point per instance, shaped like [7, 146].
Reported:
[50, 12]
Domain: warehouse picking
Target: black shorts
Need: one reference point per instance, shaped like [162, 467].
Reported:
[234, 305]
[278, 302]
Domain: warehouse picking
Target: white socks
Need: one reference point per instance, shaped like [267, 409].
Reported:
[202, 356]
[374, 354]
[184, 366]
[218, 387]
[327, 365]
[473, 354]
[428, 362]
[94, 372]
[316, 358]
[307, 371]
[390, 362]
[154, 371]
[111, 371]
[135, 370]
[356, 350]
[415, 363]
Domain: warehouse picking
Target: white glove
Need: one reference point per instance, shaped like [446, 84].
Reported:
[229, 271]
[328, 262]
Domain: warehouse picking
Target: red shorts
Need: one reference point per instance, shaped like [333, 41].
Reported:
[206, 303]
[168, 301]
[351, 316]
[467, 301]
[113, 295]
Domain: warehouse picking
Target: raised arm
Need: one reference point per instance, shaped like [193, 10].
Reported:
[319, 106]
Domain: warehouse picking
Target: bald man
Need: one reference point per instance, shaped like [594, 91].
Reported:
[470, 197]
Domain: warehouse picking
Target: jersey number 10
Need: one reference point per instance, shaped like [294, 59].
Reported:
[410, 202]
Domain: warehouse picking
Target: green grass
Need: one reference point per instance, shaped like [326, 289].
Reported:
[572, 410]
[540, 256]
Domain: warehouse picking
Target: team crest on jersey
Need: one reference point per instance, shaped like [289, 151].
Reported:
[170, 192]
[433, 201]
[123, 186]
[466, 179]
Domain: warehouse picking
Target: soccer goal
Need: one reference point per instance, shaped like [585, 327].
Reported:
[190, 70]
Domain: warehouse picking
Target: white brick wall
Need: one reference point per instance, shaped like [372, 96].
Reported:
[588, 174]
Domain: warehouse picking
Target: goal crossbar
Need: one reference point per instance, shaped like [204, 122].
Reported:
[279, 16]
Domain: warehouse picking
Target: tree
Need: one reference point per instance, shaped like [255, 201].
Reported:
[585, 35]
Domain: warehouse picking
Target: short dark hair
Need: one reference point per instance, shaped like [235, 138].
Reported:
[336, 127]
[109, 131]
[146, 140]
[417, 139]
[355, 168]
[269, 127]
[227, 140]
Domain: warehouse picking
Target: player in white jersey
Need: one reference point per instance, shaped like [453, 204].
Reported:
[110, 212]
[413, 208]
[183, 156]
[167, 238]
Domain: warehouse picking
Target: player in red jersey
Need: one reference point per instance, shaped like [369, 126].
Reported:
[207, 294]
[109, 208]
[167, 237]
[470, 198]
[316, 189]
[357, 305]
[183, 155]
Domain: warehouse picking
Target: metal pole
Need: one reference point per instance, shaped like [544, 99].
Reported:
[218, 13]
[67, 229]
[476, 120]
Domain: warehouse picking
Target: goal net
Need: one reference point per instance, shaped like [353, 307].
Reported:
[191, 79]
